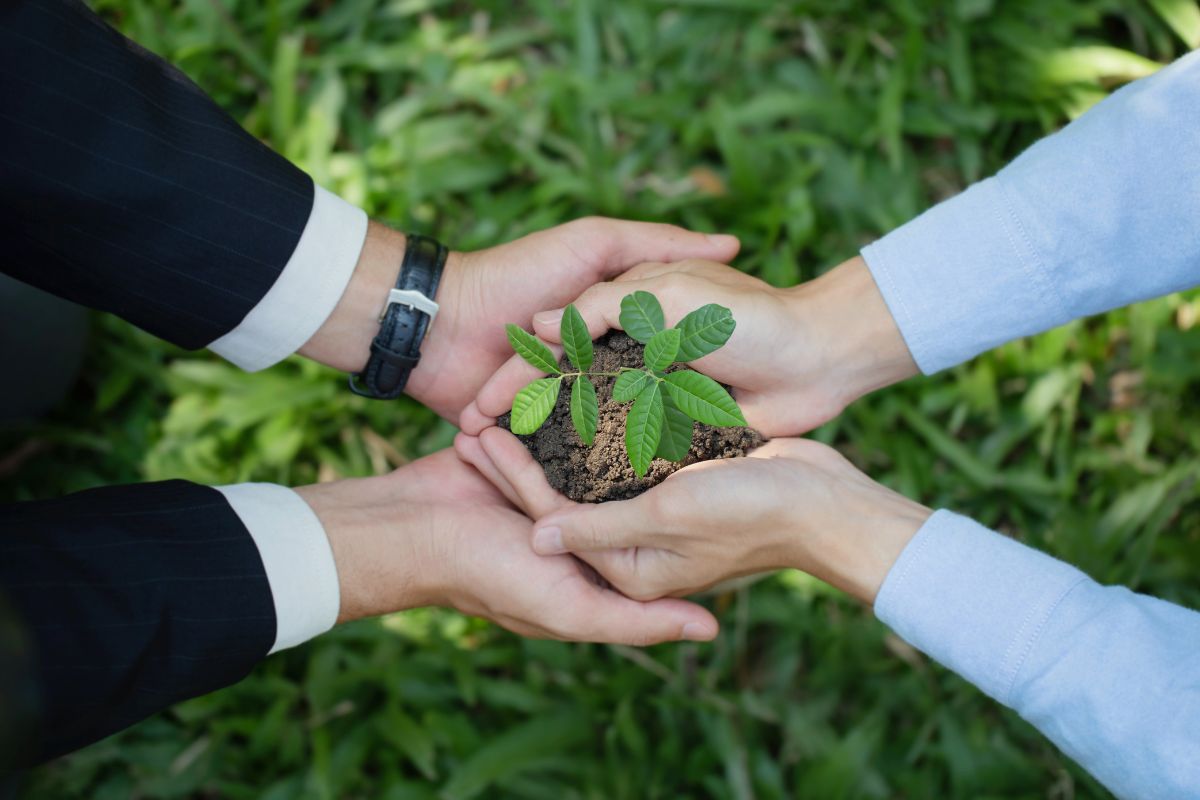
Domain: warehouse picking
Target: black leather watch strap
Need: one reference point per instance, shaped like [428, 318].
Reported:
[410, 309]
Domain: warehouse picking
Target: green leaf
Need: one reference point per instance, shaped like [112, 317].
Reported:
[576, 340]
[585, 411]
[704, 330]
[629, 385]
[643, 428]
[677, 432]
[531, 348]
[661, 349]
[415, 741]
[641, 316]
[526, 748]
[1183, 17]
[533, 404]
[703, 399]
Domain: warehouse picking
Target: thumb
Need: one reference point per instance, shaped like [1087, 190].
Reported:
[606, 526]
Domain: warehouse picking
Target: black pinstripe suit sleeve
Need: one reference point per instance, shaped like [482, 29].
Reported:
[125, 188]
[131, 598]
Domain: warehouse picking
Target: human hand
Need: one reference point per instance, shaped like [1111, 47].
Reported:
[482, 290]
[797, 358]
[792, 503]
[435, 532]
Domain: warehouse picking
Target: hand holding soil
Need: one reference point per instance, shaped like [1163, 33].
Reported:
[792, 503]
[602, 471]
[800, 354]
[435, 532]
[667, 399]
[482, 289]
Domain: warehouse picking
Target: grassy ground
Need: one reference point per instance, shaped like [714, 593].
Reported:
[807, 128]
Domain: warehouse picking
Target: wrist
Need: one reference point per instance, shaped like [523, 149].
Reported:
[344, 340]
[856, 552]
[848, 318]
[430, 379]
[384, 552]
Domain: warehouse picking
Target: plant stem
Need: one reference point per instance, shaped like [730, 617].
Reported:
[601, 374]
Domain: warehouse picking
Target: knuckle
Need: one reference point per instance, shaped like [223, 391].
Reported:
[583, 534]
[590, 225]
[677, 281]
[600, 535]
[657, 508]
[593, 296]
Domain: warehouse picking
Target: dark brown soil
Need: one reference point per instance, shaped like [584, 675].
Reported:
[602, 472]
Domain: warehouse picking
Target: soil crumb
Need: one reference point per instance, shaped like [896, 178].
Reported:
[602, 472]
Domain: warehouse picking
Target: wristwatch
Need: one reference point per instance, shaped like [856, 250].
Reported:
[409, 311]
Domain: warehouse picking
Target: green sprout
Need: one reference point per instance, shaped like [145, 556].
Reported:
[660, 422]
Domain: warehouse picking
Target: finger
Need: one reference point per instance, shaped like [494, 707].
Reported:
[496, 396]
[599, 305]
[472, 420]
[521, 472]
[647, 269]
[624, 243]
[790, 447]
[604, 526]
[716, 272]
[470, 450]
[601, 615]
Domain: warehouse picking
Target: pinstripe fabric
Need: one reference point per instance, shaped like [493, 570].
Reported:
[123, 187]
[133, 597]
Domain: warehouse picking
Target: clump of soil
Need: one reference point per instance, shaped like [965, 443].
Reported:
[603, 472]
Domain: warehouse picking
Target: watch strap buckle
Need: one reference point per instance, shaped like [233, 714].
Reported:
[396, 350]
[412, 298]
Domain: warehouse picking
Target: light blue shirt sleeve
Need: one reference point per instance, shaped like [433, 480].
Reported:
[1103, 213]
[1110, 676]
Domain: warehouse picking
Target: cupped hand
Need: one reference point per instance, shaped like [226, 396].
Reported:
[435, 532]
[483, 290]
[792, 503]
[797, 357]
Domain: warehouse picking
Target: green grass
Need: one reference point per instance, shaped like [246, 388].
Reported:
[807, 128]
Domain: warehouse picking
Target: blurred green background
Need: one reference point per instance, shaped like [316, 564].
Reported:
[806, 128]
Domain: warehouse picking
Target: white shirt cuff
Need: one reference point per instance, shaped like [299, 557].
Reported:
[307, 290]
[296, 556]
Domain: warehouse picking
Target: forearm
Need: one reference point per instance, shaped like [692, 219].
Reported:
[126, 189]
[1097, 216]
[1109, 676]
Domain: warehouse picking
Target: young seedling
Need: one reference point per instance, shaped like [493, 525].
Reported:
[664, 403]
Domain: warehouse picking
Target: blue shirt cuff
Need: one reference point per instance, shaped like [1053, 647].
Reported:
[962, 278]
[973, 599]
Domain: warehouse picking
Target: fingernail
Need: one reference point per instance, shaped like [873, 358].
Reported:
[696, 632]
[548, 541]
[721, 239]
[548, 317]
